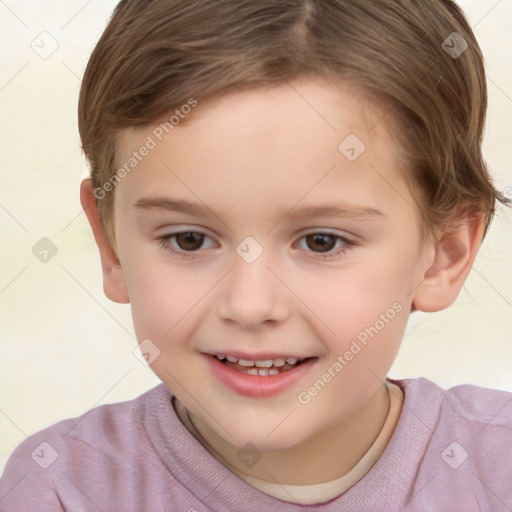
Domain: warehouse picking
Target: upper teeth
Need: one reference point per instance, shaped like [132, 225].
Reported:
[266, 363]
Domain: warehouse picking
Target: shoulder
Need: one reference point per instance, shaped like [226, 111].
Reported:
[480, 404]
[466, 442]
[465, 403]
[480, 421]
[474, 414]
[81, 447]
[108, 425]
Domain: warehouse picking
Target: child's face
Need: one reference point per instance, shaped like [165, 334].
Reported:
[253, 160]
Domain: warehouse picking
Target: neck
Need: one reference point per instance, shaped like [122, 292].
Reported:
[331, 453]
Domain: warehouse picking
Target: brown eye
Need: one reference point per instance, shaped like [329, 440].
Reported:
[185, 244]
[189, 241]
[324, 246]
[321, 242]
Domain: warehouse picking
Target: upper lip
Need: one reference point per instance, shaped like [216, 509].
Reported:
[262, 356]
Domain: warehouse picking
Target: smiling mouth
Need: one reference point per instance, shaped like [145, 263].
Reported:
[262, 368]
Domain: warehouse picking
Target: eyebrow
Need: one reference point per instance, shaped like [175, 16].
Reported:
[178, 205]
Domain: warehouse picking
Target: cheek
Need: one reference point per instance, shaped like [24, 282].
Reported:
[363, 312]
[163, 304]
[160, 295]
[351, 298]
[169, 302]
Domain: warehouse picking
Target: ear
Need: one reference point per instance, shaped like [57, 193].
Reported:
[114, 284]
[455, 253]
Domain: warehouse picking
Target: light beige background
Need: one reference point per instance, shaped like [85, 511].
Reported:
[65, 348]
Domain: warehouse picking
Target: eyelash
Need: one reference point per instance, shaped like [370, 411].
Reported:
[166, 239]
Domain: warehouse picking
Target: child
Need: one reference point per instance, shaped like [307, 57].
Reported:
[275, 187]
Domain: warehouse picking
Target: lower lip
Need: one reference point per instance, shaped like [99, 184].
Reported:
[255, 385]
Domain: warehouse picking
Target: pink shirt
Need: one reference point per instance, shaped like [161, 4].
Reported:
[451, 452]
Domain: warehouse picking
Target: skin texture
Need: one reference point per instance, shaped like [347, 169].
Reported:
[252, 158]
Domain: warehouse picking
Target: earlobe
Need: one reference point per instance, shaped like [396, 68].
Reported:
[455, 253]
[114, 284]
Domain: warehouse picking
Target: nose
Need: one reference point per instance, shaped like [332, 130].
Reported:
[252, 295]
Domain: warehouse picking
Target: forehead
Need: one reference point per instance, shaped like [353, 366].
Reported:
[317, 104]
[300, 141]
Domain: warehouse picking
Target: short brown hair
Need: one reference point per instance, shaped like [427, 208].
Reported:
[157, 54]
